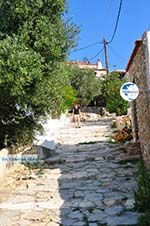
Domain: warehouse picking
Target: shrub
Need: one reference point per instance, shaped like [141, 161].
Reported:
[110, 93]
[144, 220]
[142, 194]
[85, 83]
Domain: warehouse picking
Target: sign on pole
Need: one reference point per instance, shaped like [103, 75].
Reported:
[129, 91]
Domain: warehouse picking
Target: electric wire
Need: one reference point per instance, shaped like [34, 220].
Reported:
[117, 22]
[96, 54]
[117, 55]
[112, 37]
[85, 47]
[106, 15]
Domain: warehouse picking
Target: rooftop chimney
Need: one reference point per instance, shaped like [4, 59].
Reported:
[99, 64]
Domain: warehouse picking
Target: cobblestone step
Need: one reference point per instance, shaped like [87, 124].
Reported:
[88, 184]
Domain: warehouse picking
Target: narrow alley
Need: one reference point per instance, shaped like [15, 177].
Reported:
[87, 183]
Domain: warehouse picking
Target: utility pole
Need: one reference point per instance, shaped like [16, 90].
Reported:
[106, 55]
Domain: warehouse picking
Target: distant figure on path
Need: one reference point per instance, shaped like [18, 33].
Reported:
[76, 114]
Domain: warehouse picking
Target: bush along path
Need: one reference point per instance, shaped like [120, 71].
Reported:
[89, 182]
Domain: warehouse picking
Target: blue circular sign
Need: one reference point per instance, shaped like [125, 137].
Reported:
[129, 91]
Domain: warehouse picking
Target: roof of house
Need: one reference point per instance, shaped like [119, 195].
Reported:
[137, 45]
[120, 71]
[82, 62]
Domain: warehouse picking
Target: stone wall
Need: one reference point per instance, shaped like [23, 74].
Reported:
[137, 73]
[8, 161]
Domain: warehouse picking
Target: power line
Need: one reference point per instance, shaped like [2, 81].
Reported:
[96, 54]
[107, 10]
[85, 47]
[117, 21]
[120, 58]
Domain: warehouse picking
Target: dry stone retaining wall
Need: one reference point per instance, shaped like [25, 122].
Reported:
[138, 73]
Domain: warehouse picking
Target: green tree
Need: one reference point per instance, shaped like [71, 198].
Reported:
[85, 83]
[110, 93]
[34, 41]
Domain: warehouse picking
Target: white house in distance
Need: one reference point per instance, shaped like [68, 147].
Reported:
[98, 68]
[100, 71]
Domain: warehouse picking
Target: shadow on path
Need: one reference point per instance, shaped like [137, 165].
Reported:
[83, 185]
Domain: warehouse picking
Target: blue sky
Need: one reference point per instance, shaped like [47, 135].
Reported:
[96, 19]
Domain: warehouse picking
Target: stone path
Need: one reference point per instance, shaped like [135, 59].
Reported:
[83, 185]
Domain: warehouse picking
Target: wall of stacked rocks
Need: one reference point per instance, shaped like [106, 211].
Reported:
[140, 108]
